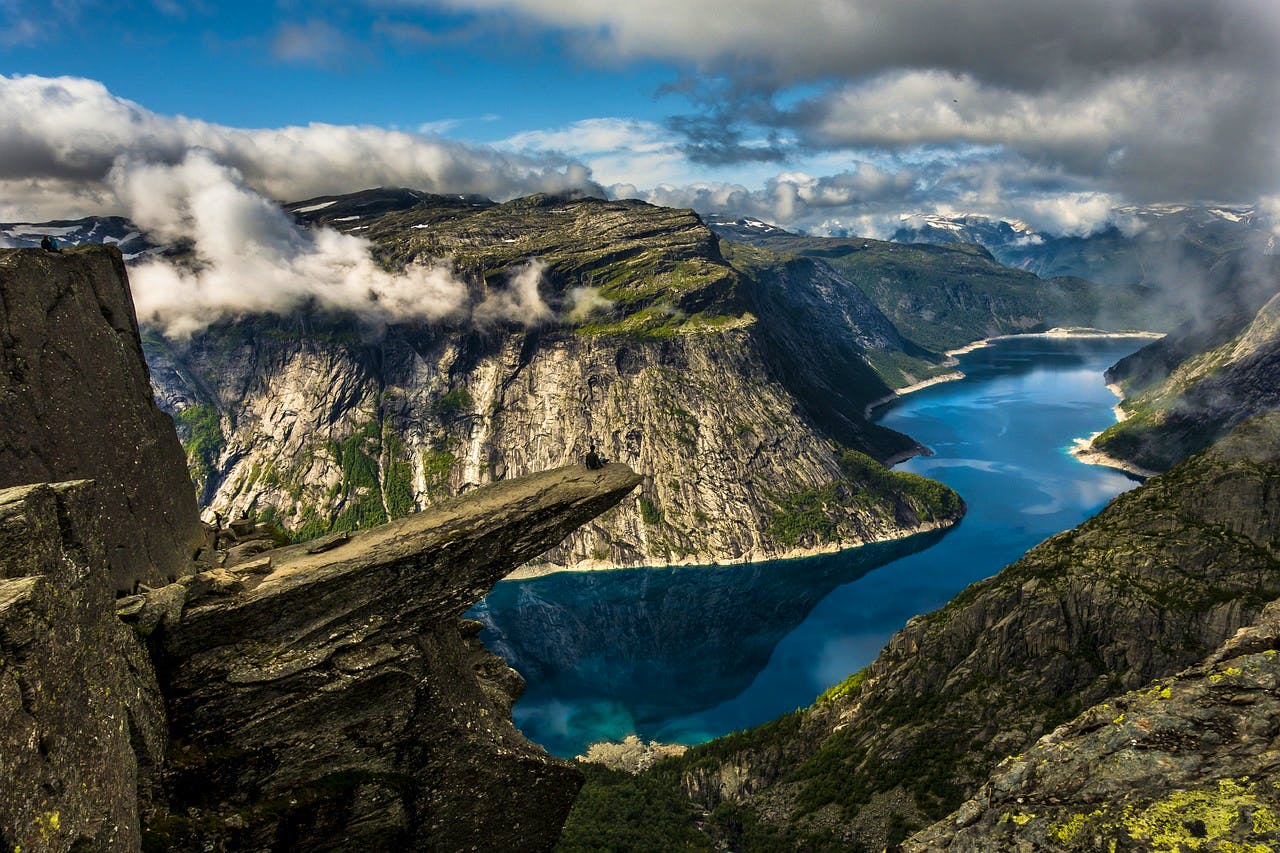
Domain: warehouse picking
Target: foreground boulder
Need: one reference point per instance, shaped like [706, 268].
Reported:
[82, 728]
[1187, 763]
[75, 403]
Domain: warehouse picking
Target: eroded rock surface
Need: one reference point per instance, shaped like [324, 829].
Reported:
[1189, 762]
[75, 402]
[82, 726]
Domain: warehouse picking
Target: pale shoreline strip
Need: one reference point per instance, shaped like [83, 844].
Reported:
[1056, 333]
[902, 392]
[528, 571]
[1085, 452]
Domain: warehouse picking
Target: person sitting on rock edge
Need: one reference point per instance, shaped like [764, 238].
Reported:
[47, 243]
[594, 460]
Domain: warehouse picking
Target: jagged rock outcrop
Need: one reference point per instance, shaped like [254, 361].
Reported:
[727, 399]
[324, 696]
[331, 700]
[1152, 584]
[1187, 390]
[82, 727]
[75, 403]
[1188, 762]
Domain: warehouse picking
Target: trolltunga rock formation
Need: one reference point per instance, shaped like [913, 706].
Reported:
[324, 696]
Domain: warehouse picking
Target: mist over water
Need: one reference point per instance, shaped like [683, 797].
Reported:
[686, 654]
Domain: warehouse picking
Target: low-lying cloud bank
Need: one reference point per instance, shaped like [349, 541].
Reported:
[71, 148]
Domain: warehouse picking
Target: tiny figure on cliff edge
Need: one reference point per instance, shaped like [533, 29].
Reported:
[594, 460]
[48, 244]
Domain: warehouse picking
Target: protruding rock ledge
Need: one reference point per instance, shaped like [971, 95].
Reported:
[336, 703]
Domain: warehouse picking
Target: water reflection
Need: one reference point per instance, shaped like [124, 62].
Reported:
[636, 648]
[687, 654]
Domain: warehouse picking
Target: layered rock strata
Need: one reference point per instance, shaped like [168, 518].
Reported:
[331, 700]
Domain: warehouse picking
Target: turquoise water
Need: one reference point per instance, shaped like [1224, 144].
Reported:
[687, 654]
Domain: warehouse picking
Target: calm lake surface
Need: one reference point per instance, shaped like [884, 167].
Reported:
[687, 654]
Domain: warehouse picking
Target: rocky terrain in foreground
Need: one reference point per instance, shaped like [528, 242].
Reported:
[320, 697]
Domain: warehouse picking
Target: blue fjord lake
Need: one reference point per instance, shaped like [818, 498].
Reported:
[690, 653]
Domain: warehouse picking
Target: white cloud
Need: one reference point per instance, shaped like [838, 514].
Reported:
[616, 149]
[61, 136]
[252, 258]
[1155, 99]
[517, 301]
[315, 42]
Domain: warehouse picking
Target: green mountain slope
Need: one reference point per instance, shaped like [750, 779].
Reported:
[1184, 392]
[943, 297]
[1152, 584]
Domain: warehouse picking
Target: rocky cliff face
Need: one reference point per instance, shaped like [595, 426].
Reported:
[1154, 583]
[321, 697]
[82, 726]
[75, 402]
[325, 696]
[1187, 390]
[726, 395]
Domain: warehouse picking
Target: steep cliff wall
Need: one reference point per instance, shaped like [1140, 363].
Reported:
[75, 402]
[1185, 391]
[1154, 583]
[732, 394]
[321, 697]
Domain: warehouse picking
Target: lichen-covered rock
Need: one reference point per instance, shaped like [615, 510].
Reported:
[1190, 762]
[75, 402]
[336, 703]
[82, 726]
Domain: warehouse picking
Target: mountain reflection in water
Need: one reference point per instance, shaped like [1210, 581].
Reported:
[647, 645]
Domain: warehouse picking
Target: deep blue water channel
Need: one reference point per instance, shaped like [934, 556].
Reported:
[687, 654]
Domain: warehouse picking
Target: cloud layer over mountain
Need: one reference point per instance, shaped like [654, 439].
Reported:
[1152, 99]
[62, 136]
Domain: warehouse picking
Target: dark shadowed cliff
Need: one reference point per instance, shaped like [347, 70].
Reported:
[75, 403]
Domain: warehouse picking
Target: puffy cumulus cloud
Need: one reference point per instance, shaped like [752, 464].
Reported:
[869, 199]
[1184, 132]
[72, 148]
[1152, 99]
[254, 259]
[65, 133]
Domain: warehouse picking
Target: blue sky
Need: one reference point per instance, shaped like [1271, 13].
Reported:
[834, 114]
